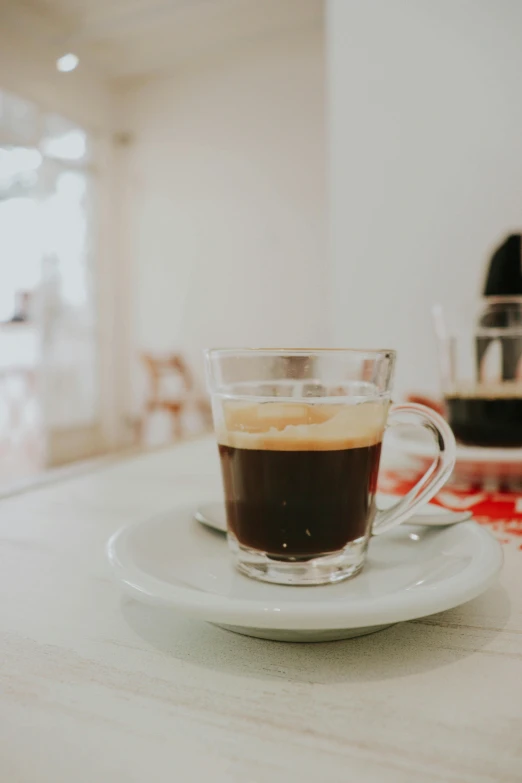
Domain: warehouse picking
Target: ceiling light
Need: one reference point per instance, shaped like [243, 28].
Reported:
[66, 63]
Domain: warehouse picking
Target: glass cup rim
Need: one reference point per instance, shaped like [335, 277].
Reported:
[374, 353]
[502, 299]
[491, 332]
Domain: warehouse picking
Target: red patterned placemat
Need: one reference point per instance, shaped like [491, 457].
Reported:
[501, 511]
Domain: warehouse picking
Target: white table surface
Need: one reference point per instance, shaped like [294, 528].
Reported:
[96, 687]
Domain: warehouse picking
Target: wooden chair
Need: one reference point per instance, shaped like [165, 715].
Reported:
[171, 389]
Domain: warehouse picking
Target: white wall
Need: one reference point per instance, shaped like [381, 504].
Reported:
[426, 163]
[225, 200]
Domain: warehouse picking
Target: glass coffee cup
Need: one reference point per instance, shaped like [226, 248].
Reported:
[299, 435]
[481, 372]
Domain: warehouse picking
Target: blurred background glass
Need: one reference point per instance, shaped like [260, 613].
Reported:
[481, 372]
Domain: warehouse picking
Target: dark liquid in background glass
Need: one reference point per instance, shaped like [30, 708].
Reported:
[299, 503]
[486, 421]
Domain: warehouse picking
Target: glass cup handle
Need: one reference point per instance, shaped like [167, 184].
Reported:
[436, 475]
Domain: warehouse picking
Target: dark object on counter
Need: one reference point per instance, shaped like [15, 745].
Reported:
[504, 280]
[504, 276]
[482, 421]
[22, 306]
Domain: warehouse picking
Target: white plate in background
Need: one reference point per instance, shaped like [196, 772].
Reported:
[492, 469]
[419, 446]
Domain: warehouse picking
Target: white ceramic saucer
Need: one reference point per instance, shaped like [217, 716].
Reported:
[411, 572]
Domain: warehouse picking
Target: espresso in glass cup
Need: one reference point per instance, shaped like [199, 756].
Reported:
[299, 436]
[481, 373]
